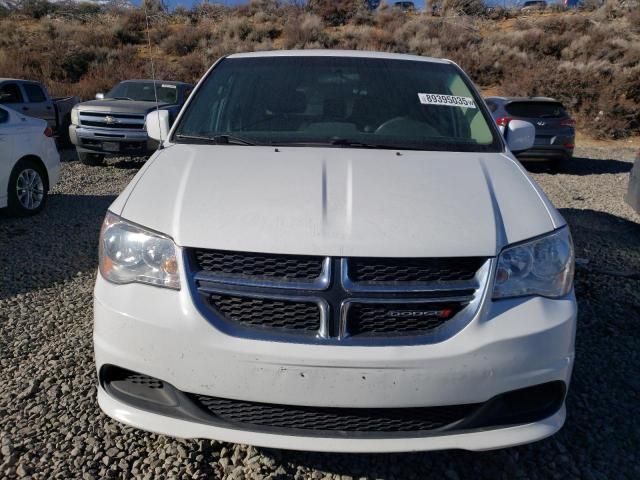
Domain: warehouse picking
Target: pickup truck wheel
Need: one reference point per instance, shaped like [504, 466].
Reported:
[28, 189]
[91, 159]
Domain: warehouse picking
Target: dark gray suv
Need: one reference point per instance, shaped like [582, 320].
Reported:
[555, 129]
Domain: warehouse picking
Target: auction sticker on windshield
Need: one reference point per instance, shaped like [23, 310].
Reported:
[447, 100]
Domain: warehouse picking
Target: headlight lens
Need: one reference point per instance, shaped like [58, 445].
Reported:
[543, 266]
[129, 253]
[74, 116]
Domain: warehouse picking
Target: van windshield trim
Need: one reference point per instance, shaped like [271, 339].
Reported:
[321, 133]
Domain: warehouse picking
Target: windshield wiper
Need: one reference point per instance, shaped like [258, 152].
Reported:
[215, 139]
[232, 140]
[122, 98]
[196, 138]
[345, 142]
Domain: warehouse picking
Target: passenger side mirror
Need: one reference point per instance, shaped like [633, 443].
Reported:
[520, 135]
[157, 125]
[99, 96]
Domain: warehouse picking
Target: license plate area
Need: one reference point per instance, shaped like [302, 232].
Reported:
[111, 146]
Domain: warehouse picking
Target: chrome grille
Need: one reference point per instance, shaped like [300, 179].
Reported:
[310, 299]
[112, 120]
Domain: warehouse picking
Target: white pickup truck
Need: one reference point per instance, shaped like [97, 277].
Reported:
[336, 251]
[32, 99]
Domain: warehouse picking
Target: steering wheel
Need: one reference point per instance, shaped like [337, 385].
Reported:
[404, 125]
[391, 122]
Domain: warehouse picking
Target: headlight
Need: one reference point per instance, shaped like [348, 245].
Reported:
[129, 253]
[543, 266]
[74, 116]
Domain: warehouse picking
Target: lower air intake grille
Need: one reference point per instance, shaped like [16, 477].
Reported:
[398, 319]
[268, 313]
[258, 265]
[333, 419]
[392, 270]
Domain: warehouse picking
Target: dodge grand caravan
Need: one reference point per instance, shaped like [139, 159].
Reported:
[336, 251]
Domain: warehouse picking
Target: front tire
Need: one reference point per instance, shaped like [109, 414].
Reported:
[91, 159]
[28, 188]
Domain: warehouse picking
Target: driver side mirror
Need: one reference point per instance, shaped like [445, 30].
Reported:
[157, 125]
[99, 96]
[520, 135]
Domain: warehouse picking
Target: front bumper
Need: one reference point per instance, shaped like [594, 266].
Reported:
[509, 345]
[112, 141]
[473, 440]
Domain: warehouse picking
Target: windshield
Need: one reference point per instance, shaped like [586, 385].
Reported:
[345, 101]
[536, 109]
[143, 91]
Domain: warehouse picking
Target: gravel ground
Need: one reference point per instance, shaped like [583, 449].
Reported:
[51, 427]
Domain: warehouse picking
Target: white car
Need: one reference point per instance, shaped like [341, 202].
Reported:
[29, 162]
[336, 251]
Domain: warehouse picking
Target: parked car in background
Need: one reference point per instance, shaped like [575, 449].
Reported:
[372, 4]
[533, 5]
[31, 98]
[633, 192]
[113, 124]
[405, 6]
[336, 251]
[29, 162]
[555, 129]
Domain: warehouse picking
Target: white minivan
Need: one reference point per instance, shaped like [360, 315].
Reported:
[336, 251]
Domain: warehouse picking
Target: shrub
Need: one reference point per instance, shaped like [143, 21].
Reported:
[36, 8]
[308, 29]
[336, 12]
[76, 63]
[464, 7]
[182, 42]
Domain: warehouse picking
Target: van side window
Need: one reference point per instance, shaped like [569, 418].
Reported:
[10, 93]
[34, 92]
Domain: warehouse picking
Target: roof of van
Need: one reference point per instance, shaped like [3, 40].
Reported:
[523, 99]
[22, 80]
[338, 53]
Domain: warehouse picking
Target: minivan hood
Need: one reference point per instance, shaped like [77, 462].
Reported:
[337, 201]
[112, 105]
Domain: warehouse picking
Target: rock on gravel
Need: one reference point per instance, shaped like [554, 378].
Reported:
[51, 426]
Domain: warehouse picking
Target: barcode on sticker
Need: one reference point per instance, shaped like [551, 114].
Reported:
[448, 100]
